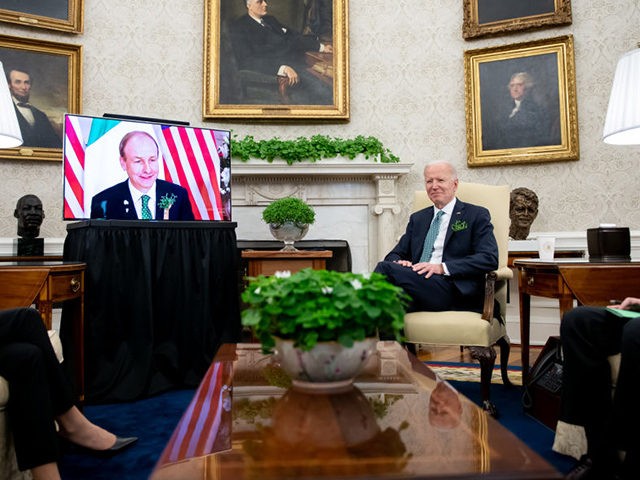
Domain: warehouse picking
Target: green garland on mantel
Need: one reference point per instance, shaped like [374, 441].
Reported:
[310, 149]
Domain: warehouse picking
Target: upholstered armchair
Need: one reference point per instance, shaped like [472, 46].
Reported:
[480, 332]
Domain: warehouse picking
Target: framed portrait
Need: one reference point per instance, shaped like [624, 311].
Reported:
[280, 60]
[62, 15]
[494, 17]
[45, 81]
[520, 103]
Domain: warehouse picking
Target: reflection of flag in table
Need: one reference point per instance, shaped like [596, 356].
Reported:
[91, 163]
[205, 427]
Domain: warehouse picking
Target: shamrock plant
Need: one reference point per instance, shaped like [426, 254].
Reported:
[313, 306]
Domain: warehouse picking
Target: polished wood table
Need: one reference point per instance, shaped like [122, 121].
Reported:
[268, 262]
[44, 284]
[557, 254]
[397, 421]
[590, 283]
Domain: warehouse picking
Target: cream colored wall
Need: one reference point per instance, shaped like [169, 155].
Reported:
[145, 58]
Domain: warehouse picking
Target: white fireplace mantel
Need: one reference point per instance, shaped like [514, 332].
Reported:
[354, 201]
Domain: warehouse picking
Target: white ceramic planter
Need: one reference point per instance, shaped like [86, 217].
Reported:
[328, 365]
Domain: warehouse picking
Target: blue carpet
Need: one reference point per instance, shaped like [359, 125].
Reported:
[535, 434]
[153, 421]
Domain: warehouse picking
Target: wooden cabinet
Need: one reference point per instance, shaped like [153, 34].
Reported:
[268, 262]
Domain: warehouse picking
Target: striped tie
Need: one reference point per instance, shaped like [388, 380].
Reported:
[146, 213]
[430, 239]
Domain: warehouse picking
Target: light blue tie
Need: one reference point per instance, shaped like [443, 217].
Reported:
[430, 239]
[146, 213]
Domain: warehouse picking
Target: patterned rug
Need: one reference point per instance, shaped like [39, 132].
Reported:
[470, 372]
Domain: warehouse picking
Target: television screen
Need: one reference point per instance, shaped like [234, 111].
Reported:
[124, 169]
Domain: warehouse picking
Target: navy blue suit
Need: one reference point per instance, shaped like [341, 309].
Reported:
[266, 49]
[469, 253]
[115, 203]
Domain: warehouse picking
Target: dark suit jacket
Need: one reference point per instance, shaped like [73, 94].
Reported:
[41, 134]
[265, 49]
[115, 203]
[469, 253]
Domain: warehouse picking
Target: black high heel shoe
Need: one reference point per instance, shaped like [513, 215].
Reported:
[121, 444]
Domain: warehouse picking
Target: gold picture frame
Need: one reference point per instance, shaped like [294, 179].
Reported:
[238, 82]
[494, 17]
[61, 15]
[543, 125]
[54, 71]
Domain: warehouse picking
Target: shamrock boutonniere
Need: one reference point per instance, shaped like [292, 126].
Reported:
[459, 225]
[166, 202]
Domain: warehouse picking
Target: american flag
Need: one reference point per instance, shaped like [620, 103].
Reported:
[191, 157]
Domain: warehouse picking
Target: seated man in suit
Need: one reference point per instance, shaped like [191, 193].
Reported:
[262, 44]
[589, 335]
[143, 196]
[442, 258]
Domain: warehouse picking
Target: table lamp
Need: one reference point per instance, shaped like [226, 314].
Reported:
[10, 135]
[622, 125]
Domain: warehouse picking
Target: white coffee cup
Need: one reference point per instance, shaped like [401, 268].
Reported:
[546, 246]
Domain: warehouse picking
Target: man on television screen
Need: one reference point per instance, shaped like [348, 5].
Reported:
[142, 196]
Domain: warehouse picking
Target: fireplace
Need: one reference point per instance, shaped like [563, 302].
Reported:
[354, 201]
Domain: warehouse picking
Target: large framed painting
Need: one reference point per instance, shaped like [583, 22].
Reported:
[520, 103]
[281, 60]
[62, 15]
[45, 81]
[495, 17]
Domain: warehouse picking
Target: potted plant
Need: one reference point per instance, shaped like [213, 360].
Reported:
[289, 219]
[323, 324]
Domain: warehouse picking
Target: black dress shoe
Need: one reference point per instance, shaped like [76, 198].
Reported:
[585, 470]
[119, 445]
[582, 471]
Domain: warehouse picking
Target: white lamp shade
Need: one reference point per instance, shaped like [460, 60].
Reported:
[622, 126]
[10, 135]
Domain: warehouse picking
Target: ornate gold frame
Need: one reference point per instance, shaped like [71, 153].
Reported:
[212, 107]
[471, 28]
[72, 24]
[12, 46]
[565, 106]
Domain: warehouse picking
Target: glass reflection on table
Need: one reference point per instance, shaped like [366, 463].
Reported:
[398, 420]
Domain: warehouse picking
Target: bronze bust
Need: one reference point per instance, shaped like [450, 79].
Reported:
[30, 214]
[523, 210]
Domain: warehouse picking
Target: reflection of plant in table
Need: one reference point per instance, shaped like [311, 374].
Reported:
[276, 376]
[250, 410]
[381, 404]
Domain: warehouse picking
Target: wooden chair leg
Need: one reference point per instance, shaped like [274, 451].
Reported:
[505, 348]
[487, 358]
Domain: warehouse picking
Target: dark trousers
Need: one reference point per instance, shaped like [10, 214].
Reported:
[434, 294]
[38, 387]
[589, 335]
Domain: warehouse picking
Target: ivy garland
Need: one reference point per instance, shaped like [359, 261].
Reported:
[310, 149]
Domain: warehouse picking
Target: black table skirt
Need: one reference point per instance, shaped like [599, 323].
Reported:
[160, 298]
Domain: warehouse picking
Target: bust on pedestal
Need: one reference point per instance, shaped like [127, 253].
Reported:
[30, 214]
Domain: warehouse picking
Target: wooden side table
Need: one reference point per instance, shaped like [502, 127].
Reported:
[44, 284]
[268, 262]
